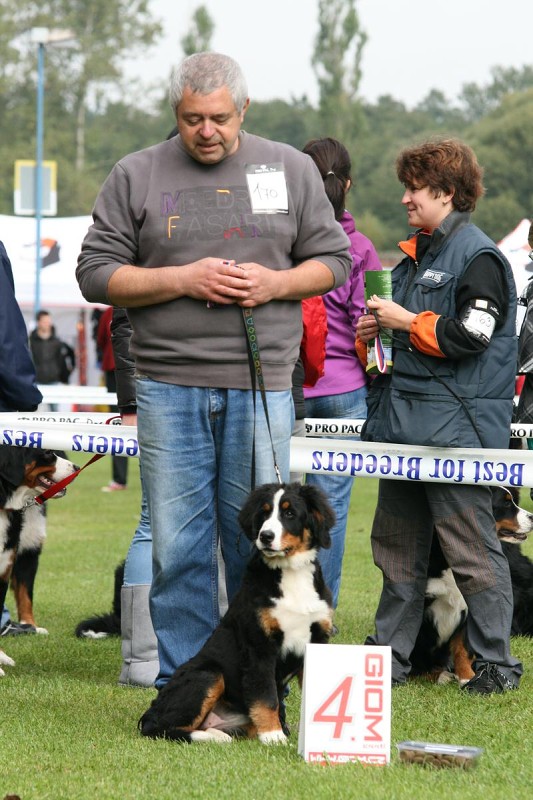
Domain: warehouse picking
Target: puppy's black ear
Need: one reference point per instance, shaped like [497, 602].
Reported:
[252, 513]
[12, 463]
[321, 514]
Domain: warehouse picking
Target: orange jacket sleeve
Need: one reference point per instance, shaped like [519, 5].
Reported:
[423, 334]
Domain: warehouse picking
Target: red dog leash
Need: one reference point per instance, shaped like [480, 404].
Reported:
[60, 485]
[57, 487]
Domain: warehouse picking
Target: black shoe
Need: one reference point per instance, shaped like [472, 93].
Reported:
[489, 680]
[17, 628]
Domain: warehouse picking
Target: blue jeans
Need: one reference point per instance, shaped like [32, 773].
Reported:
[138, 567]
[350, 405]
[196, 454]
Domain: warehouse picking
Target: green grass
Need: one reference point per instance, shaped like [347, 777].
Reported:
[69, 731]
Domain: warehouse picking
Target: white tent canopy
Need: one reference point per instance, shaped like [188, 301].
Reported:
[516, 248]
[61, 239]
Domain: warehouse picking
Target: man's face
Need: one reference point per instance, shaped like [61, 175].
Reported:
[44, 325]
[209, 124]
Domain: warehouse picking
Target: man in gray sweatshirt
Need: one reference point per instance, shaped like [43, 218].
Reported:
[186, 235]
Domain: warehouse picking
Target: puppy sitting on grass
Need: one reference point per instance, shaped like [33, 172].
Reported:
[234, 686]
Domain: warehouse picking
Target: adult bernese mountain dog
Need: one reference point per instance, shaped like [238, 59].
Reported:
[441, 651]
[25, 473]
[235, 685]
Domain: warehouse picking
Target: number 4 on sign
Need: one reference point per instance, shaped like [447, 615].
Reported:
[343, 692]
[346, 704]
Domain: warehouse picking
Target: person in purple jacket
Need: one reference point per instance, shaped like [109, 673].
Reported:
[341, 392]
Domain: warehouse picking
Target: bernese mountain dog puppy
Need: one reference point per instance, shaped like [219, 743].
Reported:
[235, 685]
[440, 646]
[25, 473]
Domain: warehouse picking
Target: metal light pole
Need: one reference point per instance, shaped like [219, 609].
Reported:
[41, 37]
[39, 172]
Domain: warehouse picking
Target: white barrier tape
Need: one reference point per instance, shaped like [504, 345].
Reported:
[313, 426]
[94, 439]
[328, 456]
[333, 427]
[65, 393]
[58, 417]
[407, 462]
[352, 427]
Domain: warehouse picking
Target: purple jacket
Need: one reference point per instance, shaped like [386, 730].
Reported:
[343, 371]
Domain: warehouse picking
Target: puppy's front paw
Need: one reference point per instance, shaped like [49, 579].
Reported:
[4, 659]
[273, 737]
[211, 735]
[445, 677]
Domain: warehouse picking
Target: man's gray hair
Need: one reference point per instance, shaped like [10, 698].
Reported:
[205, 73]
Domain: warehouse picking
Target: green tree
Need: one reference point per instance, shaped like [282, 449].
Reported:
[106, 33]
[337, 63]
[79, 80]
[198, 38]
[293, 123]
[437, 109]
[478, 101]
[503, 142]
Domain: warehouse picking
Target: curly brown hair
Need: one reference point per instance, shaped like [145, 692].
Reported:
[446, 166]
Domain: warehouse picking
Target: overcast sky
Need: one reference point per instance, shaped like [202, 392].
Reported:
[413, 45]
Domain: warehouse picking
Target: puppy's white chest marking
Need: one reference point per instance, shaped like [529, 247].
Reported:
[5, 557]
[298, 608]
[448, 605]
[33, 532]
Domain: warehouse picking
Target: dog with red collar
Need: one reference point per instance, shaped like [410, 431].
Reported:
[26, 473]
[235, 685]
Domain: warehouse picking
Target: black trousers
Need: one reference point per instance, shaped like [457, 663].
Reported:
[408, 514]
[119, 464]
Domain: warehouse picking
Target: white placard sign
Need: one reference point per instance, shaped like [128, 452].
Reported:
[346, 704]
[267, 188]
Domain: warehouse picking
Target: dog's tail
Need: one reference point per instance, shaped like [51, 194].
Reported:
[102, 625]
[98, 627]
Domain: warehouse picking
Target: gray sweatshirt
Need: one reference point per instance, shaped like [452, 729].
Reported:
[159, 207]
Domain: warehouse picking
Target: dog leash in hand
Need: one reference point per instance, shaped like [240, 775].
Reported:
[256, 374]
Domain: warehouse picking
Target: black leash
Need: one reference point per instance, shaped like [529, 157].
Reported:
[256, 374]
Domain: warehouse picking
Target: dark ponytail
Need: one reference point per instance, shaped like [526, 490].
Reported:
[334, 164]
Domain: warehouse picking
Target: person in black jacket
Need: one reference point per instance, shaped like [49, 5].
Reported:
[54, 360]
[18, 386]
[453, 318]
[524, 411]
